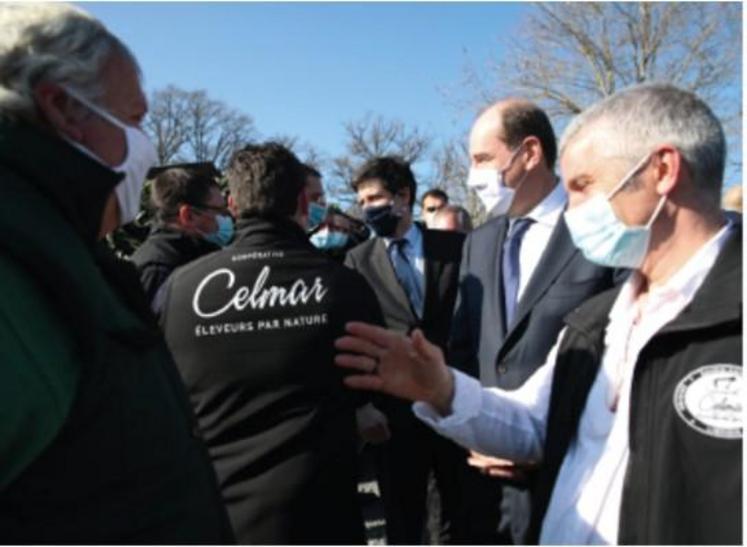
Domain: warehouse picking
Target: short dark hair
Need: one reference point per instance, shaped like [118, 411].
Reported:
[265, 179]
[177, 186]
[393, 171]
[435, 193]
[311, 171]
[522, 120]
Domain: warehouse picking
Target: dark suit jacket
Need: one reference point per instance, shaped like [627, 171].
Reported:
[442, 251]
[480, 343]
[482, 346]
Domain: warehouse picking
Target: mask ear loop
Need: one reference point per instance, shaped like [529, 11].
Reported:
[656, 211]
[629, 176]
[507, 167]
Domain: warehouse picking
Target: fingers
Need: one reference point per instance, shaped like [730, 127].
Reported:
[498, 468]
[424, 348]
[368, 382]
[357, 362]
[377, 335]
[358, 345]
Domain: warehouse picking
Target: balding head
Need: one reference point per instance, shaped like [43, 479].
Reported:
[512, 120]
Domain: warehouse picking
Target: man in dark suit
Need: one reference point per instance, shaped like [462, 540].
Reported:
[520, 275]
[413, 272]
[251, 329]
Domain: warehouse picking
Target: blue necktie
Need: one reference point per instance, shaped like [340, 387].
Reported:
[406, 274]
[510, 266]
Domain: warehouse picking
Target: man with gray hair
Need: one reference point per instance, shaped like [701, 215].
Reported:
[637, 413]
[97, 440]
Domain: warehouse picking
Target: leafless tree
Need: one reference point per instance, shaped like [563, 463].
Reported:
[305, 151]
[568, 55]
[450, 167]
[370, 137]
[190, 126]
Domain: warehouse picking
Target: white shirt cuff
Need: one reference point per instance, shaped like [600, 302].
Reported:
[464, 406]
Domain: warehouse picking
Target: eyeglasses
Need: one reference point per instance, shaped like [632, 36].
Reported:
[213, 208]
[433, 208]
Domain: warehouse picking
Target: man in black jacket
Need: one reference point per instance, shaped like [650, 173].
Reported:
[637, 413]
[413, 272]
[251, 328]
[97, 438]
[191, 221]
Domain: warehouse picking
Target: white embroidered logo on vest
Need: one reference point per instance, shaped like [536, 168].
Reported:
[709, 399]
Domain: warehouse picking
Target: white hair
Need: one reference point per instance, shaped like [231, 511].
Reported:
[634, 121]
[55, 43]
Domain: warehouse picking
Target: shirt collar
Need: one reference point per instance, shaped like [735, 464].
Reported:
[548, 210]
[412, 236]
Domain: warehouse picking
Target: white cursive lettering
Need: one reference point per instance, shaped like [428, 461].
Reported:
[259, 297]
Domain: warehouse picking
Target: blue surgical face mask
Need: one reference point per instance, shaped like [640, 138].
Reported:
[224, 234]
[325, 239]
[602, 237]
[317, 213]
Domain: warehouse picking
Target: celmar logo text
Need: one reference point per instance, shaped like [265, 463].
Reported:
[258, 297]
[709, 399]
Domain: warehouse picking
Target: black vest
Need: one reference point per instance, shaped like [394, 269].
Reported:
[682, 486]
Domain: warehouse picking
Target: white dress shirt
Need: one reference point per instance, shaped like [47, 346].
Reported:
[585, 503]
[545, 216]
[414, 253]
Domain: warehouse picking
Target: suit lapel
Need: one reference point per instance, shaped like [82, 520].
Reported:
[495, 293]
[382, 266]
[559, 251]
[433, 269]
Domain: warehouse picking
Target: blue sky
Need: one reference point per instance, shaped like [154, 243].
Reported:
[304, 69]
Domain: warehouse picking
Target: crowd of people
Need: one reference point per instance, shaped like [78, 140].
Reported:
[568, 371]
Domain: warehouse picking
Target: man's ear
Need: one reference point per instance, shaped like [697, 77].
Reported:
[231, 204]
[533, 152]
[184, 215]
[668, 165]
[406, 197]
[58, 109]
[302, 204]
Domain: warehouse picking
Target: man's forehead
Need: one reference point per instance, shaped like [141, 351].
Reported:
[583, 154]
[371, 185]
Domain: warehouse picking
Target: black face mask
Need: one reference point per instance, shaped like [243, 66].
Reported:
[382, 219]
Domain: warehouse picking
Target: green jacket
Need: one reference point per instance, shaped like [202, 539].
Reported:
[97, 439]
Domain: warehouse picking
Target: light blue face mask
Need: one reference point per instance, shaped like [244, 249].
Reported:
[224, 234]
[326, 240]
[602, 237]
[316, 215]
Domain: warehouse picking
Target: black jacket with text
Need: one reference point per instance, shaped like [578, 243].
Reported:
[252, 328]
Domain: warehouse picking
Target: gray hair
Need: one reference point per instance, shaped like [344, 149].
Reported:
[55, 43]
[643, 116]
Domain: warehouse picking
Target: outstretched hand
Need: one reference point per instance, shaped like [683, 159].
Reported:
[407, 367]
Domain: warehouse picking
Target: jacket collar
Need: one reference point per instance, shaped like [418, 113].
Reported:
[77, 185]
[269, 231]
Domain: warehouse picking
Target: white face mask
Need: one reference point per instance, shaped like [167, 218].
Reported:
[490, 185]
[141, 156]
